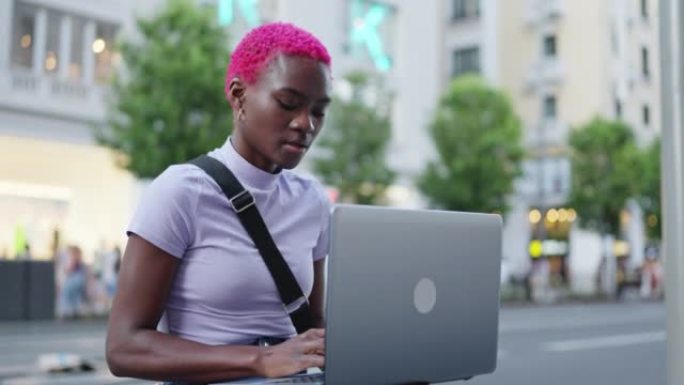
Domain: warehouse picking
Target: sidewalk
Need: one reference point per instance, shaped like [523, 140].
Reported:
[23, 342]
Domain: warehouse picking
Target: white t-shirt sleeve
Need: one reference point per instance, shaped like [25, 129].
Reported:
[166, 214]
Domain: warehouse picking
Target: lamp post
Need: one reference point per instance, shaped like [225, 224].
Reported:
[672, 67]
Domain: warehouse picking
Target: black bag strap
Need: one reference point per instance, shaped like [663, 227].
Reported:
[296, 304]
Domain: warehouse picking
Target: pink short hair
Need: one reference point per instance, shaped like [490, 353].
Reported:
[256, 50]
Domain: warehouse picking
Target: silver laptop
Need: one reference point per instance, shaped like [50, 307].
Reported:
[413, 297]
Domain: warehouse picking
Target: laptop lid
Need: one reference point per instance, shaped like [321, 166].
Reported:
[413, 295]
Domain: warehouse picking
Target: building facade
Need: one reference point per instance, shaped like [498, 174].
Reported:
[57, 186]
[563, 63]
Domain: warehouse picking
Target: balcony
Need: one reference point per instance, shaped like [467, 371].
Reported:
[26, 91]
[54, 69]
[546, 134]
[545, 72]
[539, 11]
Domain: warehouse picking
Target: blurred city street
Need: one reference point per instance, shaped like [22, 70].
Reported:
[613, 343]
[563, 117]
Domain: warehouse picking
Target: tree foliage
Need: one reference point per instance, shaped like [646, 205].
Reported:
[352, 146]
[651, 190]
[606, 171]
[477, 137]
[167, 103]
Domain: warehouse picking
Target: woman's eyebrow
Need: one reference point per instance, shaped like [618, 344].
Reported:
[299, 94]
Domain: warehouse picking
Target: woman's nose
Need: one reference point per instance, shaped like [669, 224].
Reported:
[303, 121]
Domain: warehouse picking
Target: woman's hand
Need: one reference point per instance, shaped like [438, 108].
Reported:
[304, 351]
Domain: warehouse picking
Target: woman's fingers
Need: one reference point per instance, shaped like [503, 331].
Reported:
[293, 356]
[306, 350]
[314, 333]
[312, 361]
[311, 346]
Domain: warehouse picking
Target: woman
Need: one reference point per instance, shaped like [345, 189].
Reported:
[189, 259]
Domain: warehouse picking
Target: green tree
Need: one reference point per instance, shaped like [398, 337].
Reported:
[167, 103]
[477, 137]
[352, 145]
[651, 190]
[606, 171]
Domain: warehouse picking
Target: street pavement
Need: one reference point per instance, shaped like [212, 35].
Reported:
[620, 344]
[21, 344]
[603, 344]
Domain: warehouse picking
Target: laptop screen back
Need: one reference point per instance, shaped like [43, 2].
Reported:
[413, 295]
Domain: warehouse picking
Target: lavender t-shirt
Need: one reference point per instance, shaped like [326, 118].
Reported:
[223, 292]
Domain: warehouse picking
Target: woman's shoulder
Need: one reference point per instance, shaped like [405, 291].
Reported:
[179, 173]
[178, 179]
[305, 183]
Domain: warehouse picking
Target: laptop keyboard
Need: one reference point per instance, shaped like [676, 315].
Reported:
[316, 378]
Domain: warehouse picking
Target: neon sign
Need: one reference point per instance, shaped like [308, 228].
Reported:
[247, 8]
[366, 21]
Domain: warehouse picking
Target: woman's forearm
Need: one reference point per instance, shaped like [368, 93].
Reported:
[157, 356]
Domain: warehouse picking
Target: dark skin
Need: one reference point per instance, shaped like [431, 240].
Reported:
[275, 121]
[279, 116]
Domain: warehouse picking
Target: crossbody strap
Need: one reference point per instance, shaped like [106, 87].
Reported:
[294, 301]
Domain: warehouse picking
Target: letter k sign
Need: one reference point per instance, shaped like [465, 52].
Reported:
[365, 32]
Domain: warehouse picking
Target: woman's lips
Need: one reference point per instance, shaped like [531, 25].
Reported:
[297, 148]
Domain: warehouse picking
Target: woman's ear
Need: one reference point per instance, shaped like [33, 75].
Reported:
[236, 93]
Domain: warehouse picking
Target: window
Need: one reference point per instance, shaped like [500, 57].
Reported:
[465, 9]
[52, 42]
[645, 69]
[549, 175]
[23, 35]
[75, 70]
[549, 107]
[557, 183]
[644, 9]
[57, 26]
[646, 115]
[618, 109]
[550, 46]
[465, 60]
[102, 47]
[459, 10]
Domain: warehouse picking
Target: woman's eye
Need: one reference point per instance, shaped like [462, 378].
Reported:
[286, 106]
[318, 113]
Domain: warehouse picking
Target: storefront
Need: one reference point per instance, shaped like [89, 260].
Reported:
[550, 244]
[54, 193]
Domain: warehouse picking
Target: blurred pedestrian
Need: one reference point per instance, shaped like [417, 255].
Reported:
[190, 260]
[26, 254]
[110, 271]
[651, 275]
[99, 260]
[73, 288]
